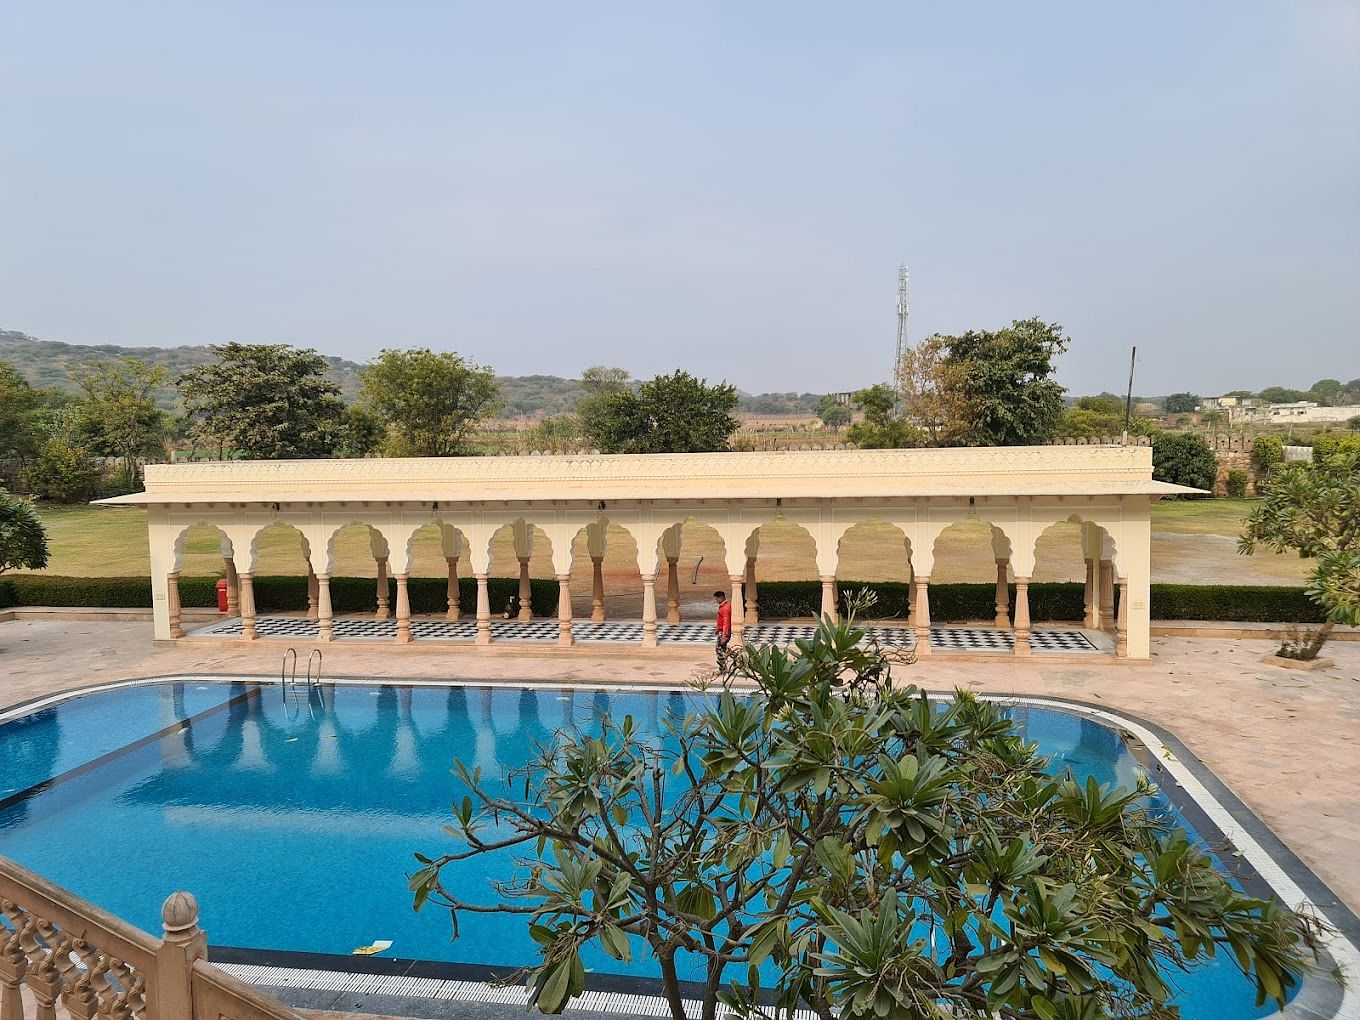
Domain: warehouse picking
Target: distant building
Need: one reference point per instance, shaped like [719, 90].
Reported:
[1237, 409]
[1308, 412]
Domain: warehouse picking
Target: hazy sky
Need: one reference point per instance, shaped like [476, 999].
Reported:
[726, 187]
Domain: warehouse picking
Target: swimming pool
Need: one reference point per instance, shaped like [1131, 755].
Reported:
[294, 821]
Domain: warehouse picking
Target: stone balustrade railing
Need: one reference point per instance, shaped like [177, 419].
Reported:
[58, 951]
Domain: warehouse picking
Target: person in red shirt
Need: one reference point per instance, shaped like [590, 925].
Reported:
[723, 626]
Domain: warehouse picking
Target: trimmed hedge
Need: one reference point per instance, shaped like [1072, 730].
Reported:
[272, 594]
[1240, 603]
[949, 603]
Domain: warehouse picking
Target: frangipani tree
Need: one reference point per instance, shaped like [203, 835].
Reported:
[1314, 509]
[838, 842]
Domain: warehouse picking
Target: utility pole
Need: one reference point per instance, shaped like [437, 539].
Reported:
[903, 308]
[1128, 400]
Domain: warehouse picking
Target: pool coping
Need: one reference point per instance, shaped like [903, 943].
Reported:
[1209, 805]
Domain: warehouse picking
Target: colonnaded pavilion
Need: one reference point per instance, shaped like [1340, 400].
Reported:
[580, 504]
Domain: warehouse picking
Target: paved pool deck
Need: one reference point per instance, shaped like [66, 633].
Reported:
[1287, 743]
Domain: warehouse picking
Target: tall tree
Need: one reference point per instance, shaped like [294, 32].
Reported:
[832, 412]
[23, 542]
[1003, 382]
[19, 404]
[1327, 392]
[674, 413]
[1282, 395]
[1314, 509]
[263, 402]
[119, 417]
[929, 398]
[431, 401]
[882, 428]
[598, 415]
[1181, 403]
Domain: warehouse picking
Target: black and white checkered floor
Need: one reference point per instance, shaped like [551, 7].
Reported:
[944, 639]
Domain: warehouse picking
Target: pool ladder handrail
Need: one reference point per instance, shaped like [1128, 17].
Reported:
[287, 677]
[288, 684]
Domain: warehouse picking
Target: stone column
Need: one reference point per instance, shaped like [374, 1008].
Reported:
[184, 943]
[829, 596]
[1107, 594]
[312, 593]
[1089, 618]
[325, 631]
[752, 610]
[672, 589]
[383, 611]
[1121, 640]
[597, 589]
[911, 597]
[922, 604]
[233, 587]
[738, 618]
[648, 610]
[564, 637]
[455, 610]
[247, 606]
[483, 611]
[172, 598]
[526, 590]
[1003, 596]
[403, 611]
[1022, 616]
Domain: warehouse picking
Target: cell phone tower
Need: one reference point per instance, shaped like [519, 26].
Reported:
[903, 309]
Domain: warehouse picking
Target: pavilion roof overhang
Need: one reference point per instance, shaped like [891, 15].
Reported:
[806, 474]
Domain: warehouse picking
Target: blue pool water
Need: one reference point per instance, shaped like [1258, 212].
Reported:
[295, 828]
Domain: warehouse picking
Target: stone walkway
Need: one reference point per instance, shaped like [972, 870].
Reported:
[1285, 742]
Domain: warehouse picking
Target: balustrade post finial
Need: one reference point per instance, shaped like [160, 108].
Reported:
[179, 914]
[184, 943]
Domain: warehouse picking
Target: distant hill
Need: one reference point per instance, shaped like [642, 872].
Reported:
[47, 363]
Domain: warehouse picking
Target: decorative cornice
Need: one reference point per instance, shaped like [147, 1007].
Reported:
[1005, 471]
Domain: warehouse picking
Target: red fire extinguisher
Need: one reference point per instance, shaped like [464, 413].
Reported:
[222, 595]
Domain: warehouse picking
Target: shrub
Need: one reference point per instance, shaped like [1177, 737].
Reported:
[64, 472]
[1184, 459]
[1266, 452]
[1236, 483]
[1330, 444]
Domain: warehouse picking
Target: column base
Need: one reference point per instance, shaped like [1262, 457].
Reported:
[483, 636]
[325, 637]
[403, 637]
[565, 640]
[1022, 646]
[649, 636]
[597, 615]
[383, 614]
[249, 635]
[922, 642]
[1002, 621]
